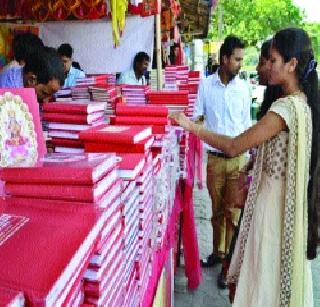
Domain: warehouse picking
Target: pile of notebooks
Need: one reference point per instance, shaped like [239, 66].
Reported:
[192, 87]
[175, 101]
[65, 120]
[134, 93]
[165, 181]
[143, 263]
[115, 138]
[63, 94]
[174, 76]
[130, 167]
[81, 90]
[151, 115]
[88, 181]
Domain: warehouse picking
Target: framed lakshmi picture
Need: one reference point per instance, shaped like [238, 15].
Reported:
[21, 136]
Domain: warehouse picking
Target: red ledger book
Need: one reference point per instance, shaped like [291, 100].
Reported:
[11, 298]
[73, 118]
[139, 120]
[81, 169]
[131, 165]
[141, 110]
[74, 143]
[76, 107]
[21, 135]
[141, 147]
[116, 134]
[85, 193]
[43, 249]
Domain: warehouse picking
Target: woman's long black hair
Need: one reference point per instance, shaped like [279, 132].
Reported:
[295, 43]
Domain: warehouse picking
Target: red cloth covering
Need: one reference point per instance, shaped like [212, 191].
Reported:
[189, 234]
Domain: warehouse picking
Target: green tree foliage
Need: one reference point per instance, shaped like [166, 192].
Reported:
[313, 30]
[253, 20]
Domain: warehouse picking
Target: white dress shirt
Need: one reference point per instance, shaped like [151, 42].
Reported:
[226, 108]
[129, 77]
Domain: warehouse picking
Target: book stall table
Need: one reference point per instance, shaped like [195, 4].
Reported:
[133, 202]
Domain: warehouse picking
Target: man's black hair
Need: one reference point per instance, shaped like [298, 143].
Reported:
[46, 64]
[139, 58]
[65, 50]
[25, 44]
[230, 43]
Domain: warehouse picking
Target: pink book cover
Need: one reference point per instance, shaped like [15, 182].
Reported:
[59, 168]
[33, 253]
[21, 136]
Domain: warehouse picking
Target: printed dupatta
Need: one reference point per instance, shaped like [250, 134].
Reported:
[294, 264]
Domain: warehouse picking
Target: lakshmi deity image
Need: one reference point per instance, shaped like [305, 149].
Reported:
[16, 144]
[18, 139]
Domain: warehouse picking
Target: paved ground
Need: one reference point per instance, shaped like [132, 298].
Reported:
[208, 295]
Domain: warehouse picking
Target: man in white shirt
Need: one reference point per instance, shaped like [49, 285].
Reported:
[224, 104]
[71, 73]
[136, 75]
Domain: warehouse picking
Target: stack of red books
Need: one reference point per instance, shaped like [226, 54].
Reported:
[130, 215]
[103, 92]
[175, 75]
[119, 139]
[136, 169]
[109, 79]
[170, 77]
[130, 114]
[182, 75]
[106, 93]
[145, 183]
[9, 297]
[176, 101]
[134, 93]
[88, 178]
[103, 280]
[45, 248]
[65, 120]
[81, 90]
[192, 87]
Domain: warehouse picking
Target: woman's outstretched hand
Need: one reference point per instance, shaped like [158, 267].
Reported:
[181, 119]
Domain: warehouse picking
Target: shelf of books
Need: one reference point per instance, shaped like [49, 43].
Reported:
[94, 221]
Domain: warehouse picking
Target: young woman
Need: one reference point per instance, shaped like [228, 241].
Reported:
[270, 264]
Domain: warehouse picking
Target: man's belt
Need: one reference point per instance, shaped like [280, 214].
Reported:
[218, 154]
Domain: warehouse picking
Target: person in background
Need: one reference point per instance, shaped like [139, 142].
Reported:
[270, 264]
[24, 45]
[43, 70]
[71, 73]
[136, 76]
[224, 104]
